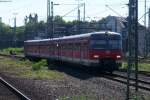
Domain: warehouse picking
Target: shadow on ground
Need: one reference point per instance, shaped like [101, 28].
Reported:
[77, 71]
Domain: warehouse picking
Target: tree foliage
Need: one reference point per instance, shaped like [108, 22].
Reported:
[32, 28]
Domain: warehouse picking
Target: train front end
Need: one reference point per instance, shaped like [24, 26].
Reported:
[106, 50]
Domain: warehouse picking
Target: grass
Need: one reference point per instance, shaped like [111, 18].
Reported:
[43, 74]
[24, 69]
[139, 97]
[81, 97]
[142, 66]
[39, 65]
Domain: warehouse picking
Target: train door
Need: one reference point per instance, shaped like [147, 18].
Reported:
[76, 52]
[72, 51]
[58, 50]
[50, 49]
[81, 52]
[84, 52]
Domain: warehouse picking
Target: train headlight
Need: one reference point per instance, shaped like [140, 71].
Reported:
[96, 56]
[118, 56]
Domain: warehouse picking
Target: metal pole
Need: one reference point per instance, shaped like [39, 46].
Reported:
[52, 20]
[84, 13]
[145, 54]
[116, 29]
[129, 49]
[78, 10]
[79, 23]
[15, 32]
[148, 37]
[78, 19]
[136, 46]
[48, 18]
[47, 9]
[149, 19]
[145, 14]
[133, 43]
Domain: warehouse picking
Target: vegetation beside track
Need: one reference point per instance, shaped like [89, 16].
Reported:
[24, 68]
[142, 66]
[17, 51]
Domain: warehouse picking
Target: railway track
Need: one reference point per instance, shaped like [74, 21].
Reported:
[16, 92]
[146, 73]
[115, 77]
[123, 79]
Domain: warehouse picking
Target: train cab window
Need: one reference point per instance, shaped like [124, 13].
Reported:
[115, 44]
[98, 44]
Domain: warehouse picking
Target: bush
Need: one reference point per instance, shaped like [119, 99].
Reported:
[39, 65]
[14, 50]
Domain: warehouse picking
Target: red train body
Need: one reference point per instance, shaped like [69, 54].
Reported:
[99, 49]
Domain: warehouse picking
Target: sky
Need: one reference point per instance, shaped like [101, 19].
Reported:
[95, 9]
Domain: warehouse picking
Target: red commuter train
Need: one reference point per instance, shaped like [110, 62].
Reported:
[97, 49]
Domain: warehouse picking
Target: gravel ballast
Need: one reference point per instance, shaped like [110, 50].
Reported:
[70, 88]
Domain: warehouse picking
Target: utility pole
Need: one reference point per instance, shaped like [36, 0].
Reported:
[145, 46]
[84, 12]
[52, 20]
[15, 38]
[48, 18]
[145, 14]
[149, 19]
[48, 9]
[78, 18]
[133, 44]
[148, 37]
[78, 10]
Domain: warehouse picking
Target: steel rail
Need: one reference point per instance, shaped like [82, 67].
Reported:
[133, 79]
[14, 90]
[111, 77]
[146, 73]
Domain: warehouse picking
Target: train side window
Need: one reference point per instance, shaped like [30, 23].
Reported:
[77, 46]
[74, 46]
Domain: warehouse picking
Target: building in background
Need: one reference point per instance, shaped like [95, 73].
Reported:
[120, 25]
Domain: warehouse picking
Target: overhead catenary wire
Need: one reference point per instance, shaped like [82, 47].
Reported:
[72, 10]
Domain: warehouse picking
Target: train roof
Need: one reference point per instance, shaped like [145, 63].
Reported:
[76, 36]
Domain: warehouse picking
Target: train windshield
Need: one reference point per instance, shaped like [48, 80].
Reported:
[106, 44]
[115, 44]
[98, 44]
